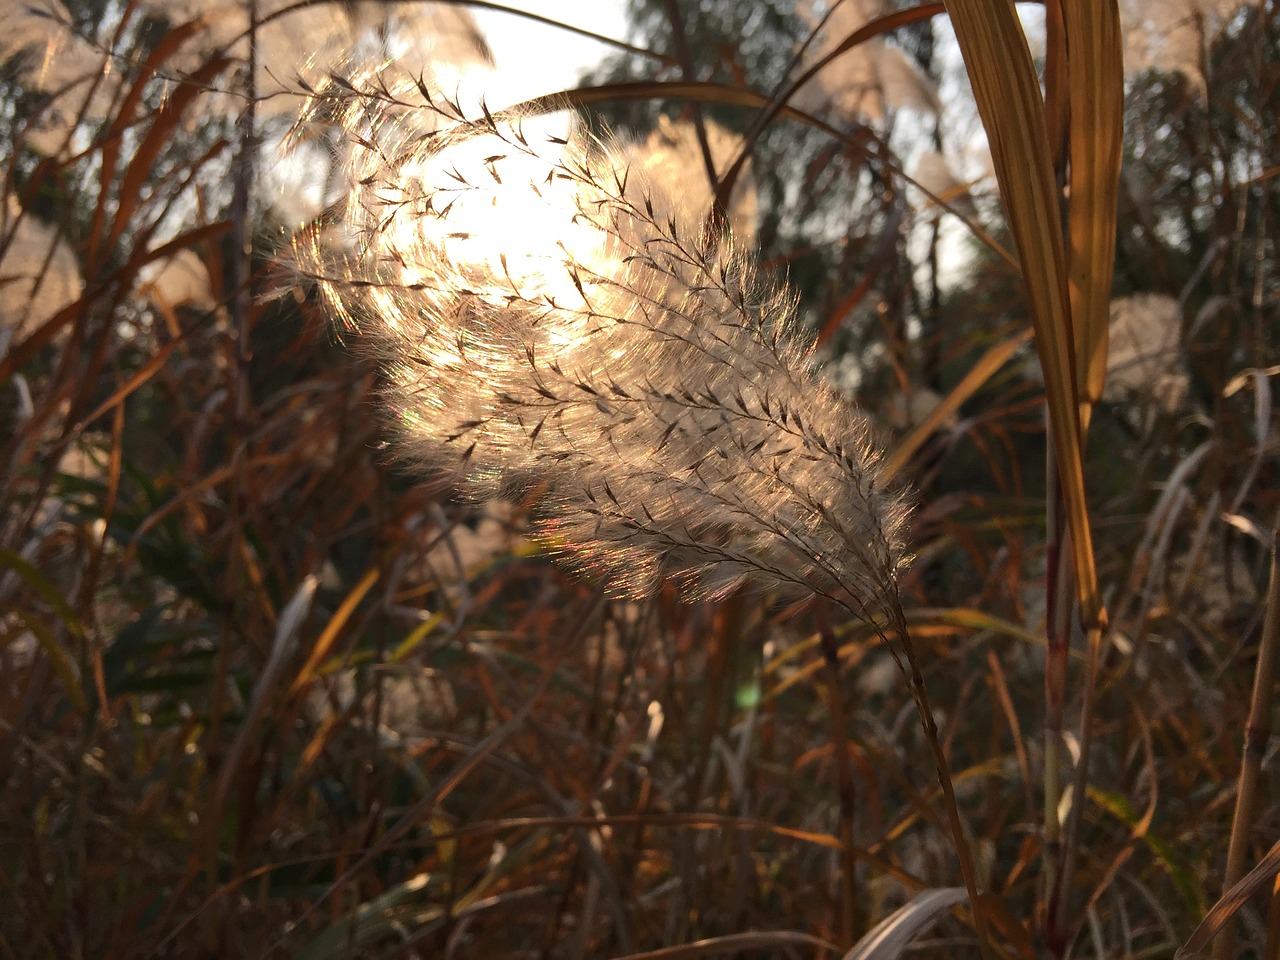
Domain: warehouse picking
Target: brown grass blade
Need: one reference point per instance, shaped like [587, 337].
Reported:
[24, 351]
[1007, 92]
[1231, 902]
[1057, 114]
[148, 370]
[978, 374]
[890, 937]
[282, 647]
[125, 115]
[332, 629]
[141, 167]
[1095, 73]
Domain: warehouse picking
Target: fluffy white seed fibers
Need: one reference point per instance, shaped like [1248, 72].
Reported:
[553, 324]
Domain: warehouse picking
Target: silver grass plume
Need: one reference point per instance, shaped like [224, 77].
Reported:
[551, 323]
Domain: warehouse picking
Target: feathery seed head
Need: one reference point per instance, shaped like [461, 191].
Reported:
[547, 318]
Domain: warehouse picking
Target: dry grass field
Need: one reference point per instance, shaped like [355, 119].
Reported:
[832, 520]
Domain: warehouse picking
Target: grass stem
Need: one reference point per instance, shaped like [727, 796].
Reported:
[1257, 733]
[844, 781]
[963, 852]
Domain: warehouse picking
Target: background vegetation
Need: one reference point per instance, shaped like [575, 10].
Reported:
[263, 693]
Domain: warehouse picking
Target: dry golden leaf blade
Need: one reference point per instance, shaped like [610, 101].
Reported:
[1056, 88]
[332, 629]
[982, 371]
[1007, 92]
[1230, 903]
[1096, 80]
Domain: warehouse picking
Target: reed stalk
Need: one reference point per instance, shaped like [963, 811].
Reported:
[1257, 734]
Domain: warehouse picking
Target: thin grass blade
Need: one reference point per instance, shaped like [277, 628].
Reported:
[890, 937]
[982, 371]
[1230, 903]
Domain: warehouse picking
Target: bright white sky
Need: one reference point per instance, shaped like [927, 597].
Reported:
[532, 58]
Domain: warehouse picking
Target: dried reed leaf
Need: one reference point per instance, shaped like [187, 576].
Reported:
[981, 371]
[123, 117]
[1057, 113]
[970, 618]
[1242, 379]
[141, 167]
[1184, 880]
[153, 365]
[889, 938]
[332, 629]
[1008, 97]
[283, 645]
[1095, 71]
[1231, 902]
[1262, 418]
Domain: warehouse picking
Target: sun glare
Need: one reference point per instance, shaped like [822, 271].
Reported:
[479, 216]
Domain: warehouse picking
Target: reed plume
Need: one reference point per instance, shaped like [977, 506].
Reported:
[549, 321]
[552, 323]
